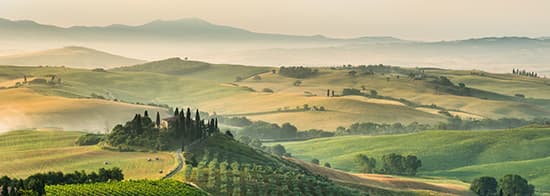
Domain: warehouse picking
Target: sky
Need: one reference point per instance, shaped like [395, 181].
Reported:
[432, 20]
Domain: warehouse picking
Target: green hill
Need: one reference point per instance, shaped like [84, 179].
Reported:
[458, 154]
[36, 151]
[222, 166]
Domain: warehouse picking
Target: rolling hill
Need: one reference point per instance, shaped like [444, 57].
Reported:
[24, 108]
[37, 151]
[260, 94]
[457, 154]
[71, 56]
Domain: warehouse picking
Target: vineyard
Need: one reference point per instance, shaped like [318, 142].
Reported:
[219, 171]
[139, 187]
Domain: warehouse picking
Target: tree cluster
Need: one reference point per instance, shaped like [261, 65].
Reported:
[298, 72]
[394, 164]
[453, 123]
[507, 185]
[35, 184]
[265, 130]
[181, 129]
[525, 73]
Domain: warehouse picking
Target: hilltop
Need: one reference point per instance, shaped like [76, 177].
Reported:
[70, 56]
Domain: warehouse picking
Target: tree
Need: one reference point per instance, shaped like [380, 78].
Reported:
[412, 163]
[484, 186]
[327, 165]
[373, 93]
[352, 73]
[158, 120]
[146, 114]
[257, 77]
[297, 83]
[278, 150]
[328, 92]
[315, 161]
[512, 184]
[365, 164]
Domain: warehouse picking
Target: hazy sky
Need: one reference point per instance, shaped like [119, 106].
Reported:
[408, 19]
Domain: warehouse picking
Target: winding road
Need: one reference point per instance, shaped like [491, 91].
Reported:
[178, 168]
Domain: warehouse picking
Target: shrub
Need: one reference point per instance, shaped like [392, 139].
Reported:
[89, 139]
[267, 90]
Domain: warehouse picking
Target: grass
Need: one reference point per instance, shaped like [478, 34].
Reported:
[23, 108]
[458, 154]
[28, 152]
[210, 87]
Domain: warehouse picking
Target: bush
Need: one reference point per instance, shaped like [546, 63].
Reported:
[484, 186]
[89, 139]
[267, 90]
[315, 161]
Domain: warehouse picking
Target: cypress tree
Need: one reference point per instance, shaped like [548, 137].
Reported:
[176, 112]
[146, 114]
[158, 119]
[188, 118]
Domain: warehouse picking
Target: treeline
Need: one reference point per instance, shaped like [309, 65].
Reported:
[34, 184]
[507, 185]
[525, 73]
[178, 130]
[394, 164]
[265, 130]
[232, 178]
[454, 123]
[298, 72]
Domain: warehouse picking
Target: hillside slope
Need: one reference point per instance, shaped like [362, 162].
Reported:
[458, 154]
[71, 56]
[38, 151]
[24, 108]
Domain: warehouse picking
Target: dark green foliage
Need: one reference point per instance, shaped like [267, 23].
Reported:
[278, 150]
[89, 139]
[315, 161]
[453, 123]
[399, 165]
[132, 187]
[365, 164]
[515, 185]
[235, 121]
[484, 186]
[144, 133]
[234, 168]
[327, 165]
[298, 72]
[265, 130]
[35, 183]
[351, 91]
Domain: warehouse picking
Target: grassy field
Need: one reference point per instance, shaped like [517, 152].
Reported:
[32, 151]
[24, 108]
[457, 154]
[212, 88]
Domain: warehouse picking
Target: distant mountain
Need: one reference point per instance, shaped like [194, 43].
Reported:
[71, 56]
[189, 29]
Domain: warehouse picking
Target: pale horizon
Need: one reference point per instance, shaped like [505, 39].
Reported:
[423, 20]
